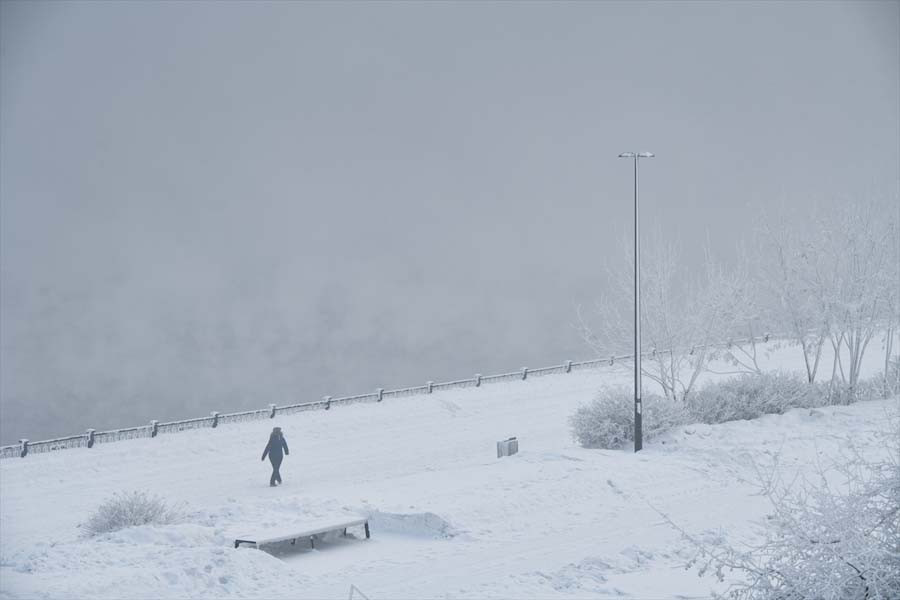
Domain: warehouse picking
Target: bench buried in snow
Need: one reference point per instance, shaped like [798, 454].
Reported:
[310, 533]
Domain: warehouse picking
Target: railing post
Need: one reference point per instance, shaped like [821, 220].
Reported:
[430, 385]
[154, 428]
[524, 373]
[568, 366]
[477, 379]
[215, 418]
[89, 435]
[272, 409]
[380, 394]
[23, 451]
[327, 400]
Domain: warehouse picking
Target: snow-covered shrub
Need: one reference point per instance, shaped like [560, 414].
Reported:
[751, 396]
[841, 393]
[608, 421]
[823, 542]
[128, 509]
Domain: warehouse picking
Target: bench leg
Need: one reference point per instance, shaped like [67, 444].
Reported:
[345, 532]
[236, 544]
[367, 530]
[312, 542]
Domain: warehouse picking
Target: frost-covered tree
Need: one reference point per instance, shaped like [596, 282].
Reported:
[891, 310]
[833, 279]
[788, 292]
[731, 294]
[681, 317]
[851, 268]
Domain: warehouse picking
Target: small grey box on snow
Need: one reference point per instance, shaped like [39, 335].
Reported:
[507, 447]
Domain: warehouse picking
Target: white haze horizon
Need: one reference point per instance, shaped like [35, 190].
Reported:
[215, 206]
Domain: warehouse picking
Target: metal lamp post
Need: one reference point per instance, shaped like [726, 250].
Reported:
[638, 391]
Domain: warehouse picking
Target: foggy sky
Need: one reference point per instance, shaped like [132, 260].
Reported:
[214, 206]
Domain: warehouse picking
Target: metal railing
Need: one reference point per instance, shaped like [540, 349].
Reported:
[154, 428]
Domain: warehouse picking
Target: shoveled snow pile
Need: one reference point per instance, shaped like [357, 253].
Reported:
[448, 519]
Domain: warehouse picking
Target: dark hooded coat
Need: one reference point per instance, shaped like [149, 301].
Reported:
[276, 448]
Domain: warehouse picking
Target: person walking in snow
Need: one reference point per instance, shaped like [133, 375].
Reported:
[274, 451]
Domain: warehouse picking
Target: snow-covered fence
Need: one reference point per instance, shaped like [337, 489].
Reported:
[514, 376]
[291, 409]
[373, 397]
[10, 451]
[175, 426]
[91, 437]
[247, 415]
[405, 392]
[64, 443]
[458, 384]
[117, 435]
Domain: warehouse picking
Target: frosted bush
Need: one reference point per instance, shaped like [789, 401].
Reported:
[129, 509]
[842, 393]
[605, 422]
[751, 396]
[608, 421]
[821, 541]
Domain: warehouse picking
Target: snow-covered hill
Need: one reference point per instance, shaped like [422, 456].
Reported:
[449, 519]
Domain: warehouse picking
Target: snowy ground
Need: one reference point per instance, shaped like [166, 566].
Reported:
[449, 519]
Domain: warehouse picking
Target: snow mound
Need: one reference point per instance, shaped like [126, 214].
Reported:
[426, 524]
[183, 535]
[149, 562]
